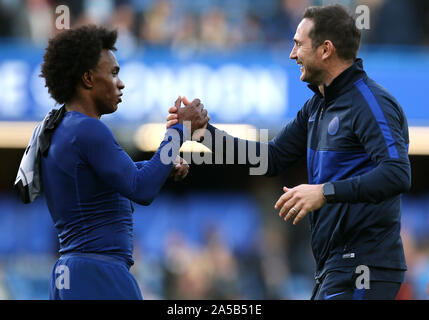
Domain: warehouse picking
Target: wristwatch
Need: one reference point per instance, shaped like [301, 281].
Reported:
[329, 192]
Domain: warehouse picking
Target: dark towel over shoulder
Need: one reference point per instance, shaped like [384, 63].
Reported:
[28, 183]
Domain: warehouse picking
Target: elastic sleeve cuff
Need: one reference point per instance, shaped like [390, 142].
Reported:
[344, 191]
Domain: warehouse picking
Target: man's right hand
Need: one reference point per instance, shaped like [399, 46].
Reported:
[193, 112]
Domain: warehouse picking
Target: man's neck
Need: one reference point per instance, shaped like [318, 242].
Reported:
[82, 105]
[332, 73]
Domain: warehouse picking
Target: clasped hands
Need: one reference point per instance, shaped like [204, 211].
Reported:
[194, 114]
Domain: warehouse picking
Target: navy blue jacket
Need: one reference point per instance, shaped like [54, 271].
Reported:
[356, 136]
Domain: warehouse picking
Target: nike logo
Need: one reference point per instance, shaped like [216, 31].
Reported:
[327, 297]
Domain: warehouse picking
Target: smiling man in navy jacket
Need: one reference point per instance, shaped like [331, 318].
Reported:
[355, 137]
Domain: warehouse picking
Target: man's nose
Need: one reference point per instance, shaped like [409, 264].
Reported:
[292, 54]
[121, 85]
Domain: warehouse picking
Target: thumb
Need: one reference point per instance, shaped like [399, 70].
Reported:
[185, 101]
[177, 102]
[286, 189]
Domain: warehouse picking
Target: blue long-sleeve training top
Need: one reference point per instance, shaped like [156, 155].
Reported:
[355, 136]
[89, 182]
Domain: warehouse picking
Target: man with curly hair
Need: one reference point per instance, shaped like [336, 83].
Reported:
[88, 179]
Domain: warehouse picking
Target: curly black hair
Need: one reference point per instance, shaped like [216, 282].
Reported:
[70, 54]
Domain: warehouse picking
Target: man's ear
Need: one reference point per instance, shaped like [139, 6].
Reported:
[88, 79]
[328, 49]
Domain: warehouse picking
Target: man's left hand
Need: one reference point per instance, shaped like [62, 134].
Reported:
[299, 201]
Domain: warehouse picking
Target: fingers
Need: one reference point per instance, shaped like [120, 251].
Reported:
[206, 122]
[297, 202]
[286, 210]
[285, 197]
[181, 171]
[292, 211]
[205, 118]
[296, 211]
[172, 110]
[196, 103]
[291, 206]
[172, 117]
[300, 216]
[193, 112]
[181, 168]
[171, 123]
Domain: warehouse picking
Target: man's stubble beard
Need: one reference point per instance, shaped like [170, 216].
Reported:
[313, 76]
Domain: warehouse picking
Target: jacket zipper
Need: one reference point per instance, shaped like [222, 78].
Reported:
[315, 128]
[323, 109]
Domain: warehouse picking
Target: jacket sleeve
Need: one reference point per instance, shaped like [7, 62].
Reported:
[283, 150]
[381, 127]
[290, 144]
[139, 182]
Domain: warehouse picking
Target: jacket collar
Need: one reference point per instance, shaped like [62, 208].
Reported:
[343, 82]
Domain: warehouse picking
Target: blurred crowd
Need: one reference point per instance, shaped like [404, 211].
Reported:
[208, 24]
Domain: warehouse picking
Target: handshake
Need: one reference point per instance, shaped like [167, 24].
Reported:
[193, 113]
